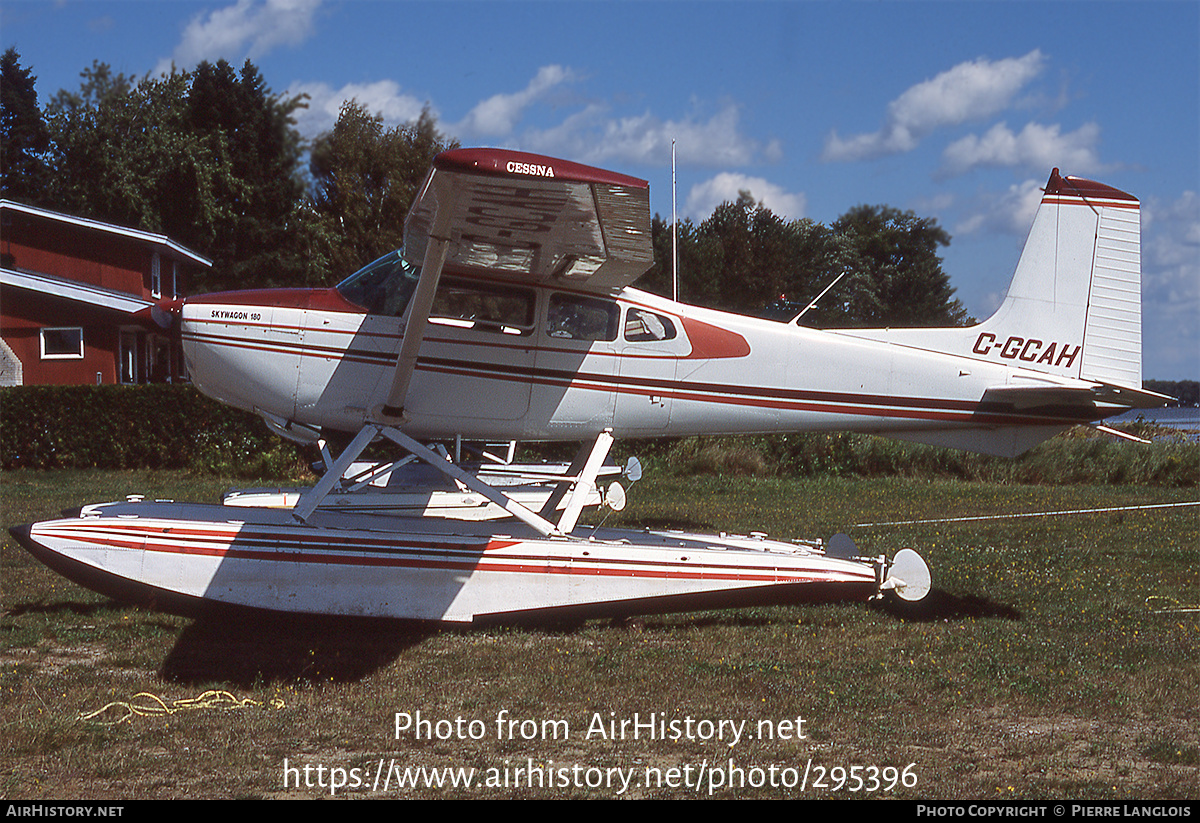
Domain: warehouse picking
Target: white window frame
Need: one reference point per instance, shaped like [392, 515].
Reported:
[77, 355]
[155, 275]
[128, 352]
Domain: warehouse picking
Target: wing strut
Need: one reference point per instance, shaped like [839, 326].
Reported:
[392, 410]
[443, 194]
[579, 481]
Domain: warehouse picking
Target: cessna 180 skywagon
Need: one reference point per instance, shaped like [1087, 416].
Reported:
[509, 314]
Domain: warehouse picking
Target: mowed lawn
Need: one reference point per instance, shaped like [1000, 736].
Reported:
[1055, 658]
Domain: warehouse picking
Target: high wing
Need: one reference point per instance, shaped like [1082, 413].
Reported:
[533, 218]
[523, 216]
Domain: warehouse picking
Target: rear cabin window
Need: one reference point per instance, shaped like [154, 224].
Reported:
[643, 326]
[582, 318]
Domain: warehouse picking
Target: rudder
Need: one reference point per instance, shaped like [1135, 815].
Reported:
[1073, 308]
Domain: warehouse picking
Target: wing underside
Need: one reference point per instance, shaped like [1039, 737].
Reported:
[531, 218]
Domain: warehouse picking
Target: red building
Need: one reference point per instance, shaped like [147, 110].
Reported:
[70, 293]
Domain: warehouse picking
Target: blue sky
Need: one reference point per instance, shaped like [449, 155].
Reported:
[957, 111]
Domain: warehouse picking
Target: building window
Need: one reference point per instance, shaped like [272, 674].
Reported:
[130, 372]
[155, 276]
[62, 344]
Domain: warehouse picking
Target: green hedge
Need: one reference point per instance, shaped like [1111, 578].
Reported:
[1072, 457]
[176, 427]
[126, 427]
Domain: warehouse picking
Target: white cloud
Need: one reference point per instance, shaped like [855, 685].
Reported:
[247, 29]
[588, 134]
[592, 136]
[1175, 229]
[1009, 213]
[1171, 286]
[726, 187]
[383, 98]
[1036, 146]
[1171, 251]
[499, 114]
[968, 91]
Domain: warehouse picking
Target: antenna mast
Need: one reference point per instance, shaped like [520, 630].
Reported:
[674, 233]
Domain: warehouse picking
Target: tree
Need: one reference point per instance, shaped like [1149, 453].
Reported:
[258, 244]
[819, 260]
[364, 179]
[24, 139]
[210, 158]
[897, 275]
[700, 264]
[745, 258]
[736, 259]
[124, 153]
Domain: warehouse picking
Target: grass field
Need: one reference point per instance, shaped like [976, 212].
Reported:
[1056, 658]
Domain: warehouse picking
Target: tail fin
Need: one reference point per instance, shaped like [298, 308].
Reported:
[1074, 307]
[1073, 312]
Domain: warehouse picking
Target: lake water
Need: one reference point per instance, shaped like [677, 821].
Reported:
[1182, 418]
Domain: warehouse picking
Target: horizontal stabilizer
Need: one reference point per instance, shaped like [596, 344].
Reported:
[1032, 397]
[1134, 398]
[1059, 406]
[1101, 397]
[1123, 435]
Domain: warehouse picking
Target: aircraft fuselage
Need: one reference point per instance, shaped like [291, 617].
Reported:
[535, 363]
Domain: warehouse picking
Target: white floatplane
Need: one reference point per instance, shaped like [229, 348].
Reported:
[509, 314]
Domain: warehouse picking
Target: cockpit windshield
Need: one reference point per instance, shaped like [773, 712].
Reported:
[382, 287]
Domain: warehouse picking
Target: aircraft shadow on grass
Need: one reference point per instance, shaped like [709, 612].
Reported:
[284, 648]
[320, 649]
[288, 649]
[942, 605]
[72, 607]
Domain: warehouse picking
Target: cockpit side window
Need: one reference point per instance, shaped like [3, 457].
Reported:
[383, 287]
